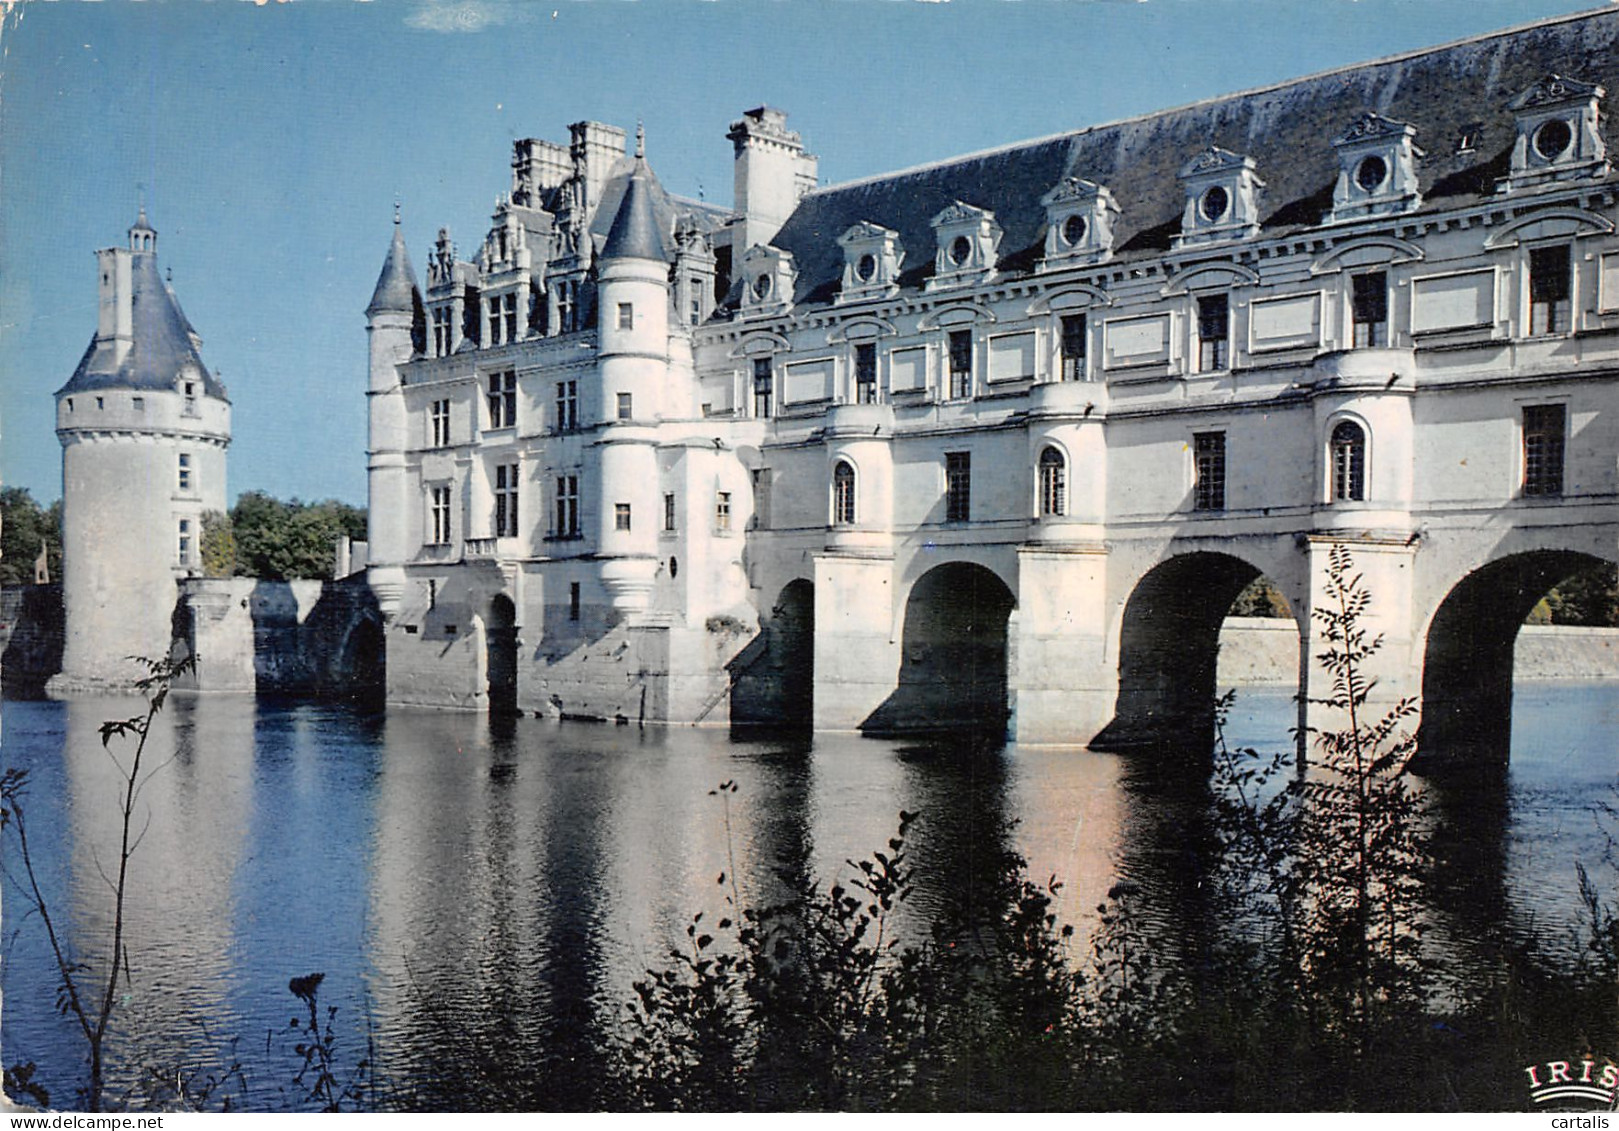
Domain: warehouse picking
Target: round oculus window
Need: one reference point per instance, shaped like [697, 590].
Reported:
[762, 285]
[866, 269]
[960, 250]
[1073, 230]
[1214, 204]
[1552, 138]
[1371, 173]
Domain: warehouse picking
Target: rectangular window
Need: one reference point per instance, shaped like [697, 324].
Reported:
[1213, 333]
[567, 406]
[506, 500]
[567, 525]
[573, 600]
[139, 403]
[1543, 426]
[621, 516]
[440, 417]
[494, 321]
[511, 317]
[441, 516]
[1369, 309]
[1208, 471]
[503, 400]
[865, 374]
[185, 542]
[1549, 290]
[1073, 347]
[669, 511]
[958, 469]
[761, 499]
[763, 386]
[696, 314]
[961, 364]
[625, 409]
[722, 511]
[626, 316]
[185, 471]
[441, 331]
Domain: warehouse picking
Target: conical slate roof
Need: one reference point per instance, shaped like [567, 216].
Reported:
[396, 287]
[161, 352]
[635, 233]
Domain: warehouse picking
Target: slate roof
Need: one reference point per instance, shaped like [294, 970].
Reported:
[396, 285]
[665, 206]
[1287, 129]
[635, 230]
[161, 347]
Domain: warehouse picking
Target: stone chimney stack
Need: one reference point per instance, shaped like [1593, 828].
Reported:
[772, 174]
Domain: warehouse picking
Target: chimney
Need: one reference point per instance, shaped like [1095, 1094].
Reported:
[772, 174]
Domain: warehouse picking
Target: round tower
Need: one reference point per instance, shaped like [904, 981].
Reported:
[633, 320]
[396, 326]
[144, 428]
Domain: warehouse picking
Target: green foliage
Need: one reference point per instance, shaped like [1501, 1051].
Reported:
[218, 545]
[24, 527]
[279, 541]
[1260, 599]
[1589, 598]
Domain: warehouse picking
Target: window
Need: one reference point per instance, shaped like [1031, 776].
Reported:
[441, 516]
[626, 316]
[184, 548]
[1053, 483]
[762, 478]
[439, 414]
[567, 406]
[621, 516]
[1348, 446]
[139, 403]
[506, 500]
[695, 314]
[1549, 290]
[573, 600]
[101, 403]
[185, 471]
[961, 363]
[722, 511]
[865, 374]
[567, 506]
[957, 486]
[842, 494]
[494, 321]
[1208, 471]
[1543, 449]
[441, 331]
[625, 411]
[502, 399]
[1369, 309]
[1213, 333]
[1073, 347]
[511, 317]
[669, 511]
[761, 387]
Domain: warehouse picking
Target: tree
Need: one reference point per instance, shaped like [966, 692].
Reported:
[24, 527]
[278, 540]
[218, 545]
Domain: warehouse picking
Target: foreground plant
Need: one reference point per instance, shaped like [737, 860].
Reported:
[89, 991]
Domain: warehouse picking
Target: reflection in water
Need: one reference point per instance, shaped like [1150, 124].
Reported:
[482, 895]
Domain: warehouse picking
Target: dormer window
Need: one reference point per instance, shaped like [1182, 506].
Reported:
[1079, 224]
[871, 261]
[967, 239]
[1558, 139]
[1377, 169]
[1222, 198]
[768, 275]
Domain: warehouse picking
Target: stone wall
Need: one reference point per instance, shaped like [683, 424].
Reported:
[1259, 650]
[30, 636]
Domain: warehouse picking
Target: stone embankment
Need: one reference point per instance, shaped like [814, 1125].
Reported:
[1259, 650]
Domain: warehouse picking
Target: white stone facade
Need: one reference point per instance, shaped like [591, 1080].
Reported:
[1015, 465]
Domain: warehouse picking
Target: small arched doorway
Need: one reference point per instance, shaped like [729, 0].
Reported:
[500, 643]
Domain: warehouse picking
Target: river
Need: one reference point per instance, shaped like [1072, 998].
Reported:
[482, 894]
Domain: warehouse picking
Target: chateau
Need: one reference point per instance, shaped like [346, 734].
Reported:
[997, 440]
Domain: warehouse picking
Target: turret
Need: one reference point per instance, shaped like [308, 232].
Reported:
[144, 428]
[396, 326]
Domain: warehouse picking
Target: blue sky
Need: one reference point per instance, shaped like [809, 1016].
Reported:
[270, 142]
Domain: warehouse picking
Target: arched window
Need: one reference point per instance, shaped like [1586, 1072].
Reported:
[1348, 462]
[1053, 483]
[842, 494]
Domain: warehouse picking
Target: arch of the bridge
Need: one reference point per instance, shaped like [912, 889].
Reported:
[1468, 654]
[953, 653]
[500, 643]
[1169, 643]
[773, 679]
